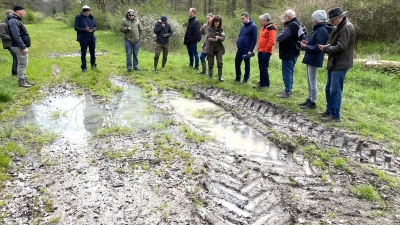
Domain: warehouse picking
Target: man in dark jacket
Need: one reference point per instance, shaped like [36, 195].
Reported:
[192, 36]
[245, 45]
[340, 60]
[85, 26]
[20, 44]
[7, 41]
[288, 52]
[163, 32]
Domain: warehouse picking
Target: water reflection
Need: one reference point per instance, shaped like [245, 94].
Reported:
[228, 132]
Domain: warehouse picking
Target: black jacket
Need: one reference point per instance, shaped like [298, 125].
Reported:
[18, 33]
[160, 31]
[287, 47]
[81, 22]
[192, 31]
[341, 50]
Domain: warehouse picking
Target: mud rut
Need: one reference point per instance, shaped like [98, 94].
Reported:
[176, 181]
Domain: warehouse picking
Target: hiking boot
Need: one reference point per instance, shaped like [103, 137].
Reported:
[311, 105]
[330, 119]
[324, 114]
[220, 74]
[284, 95]
[305, 103]
[22, 83]
[28, 82]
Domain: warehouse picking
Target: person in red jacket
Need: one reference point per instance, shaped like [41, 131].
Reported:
[266, 44]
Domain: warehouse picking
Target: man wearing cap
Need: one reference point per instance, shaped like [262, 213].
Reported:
[7, 41]
[85, 26]
[132, 30]
[163, 31]
[340, 60]
[288, 52]
[20, 44]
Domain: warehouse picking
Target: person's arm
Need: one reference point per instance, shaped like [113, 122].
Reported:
[342, 44]
[15, 32]
[140, 28]
[271, 37]
[196, 30]
[286, 33]
[222, 36]
[170, 32]
[253, 38]
[77, 25]
[123, 28]
[158, 28]
[94, 26]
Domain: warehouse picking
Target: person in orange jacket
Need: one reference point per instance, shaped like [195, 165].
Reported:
[266, 44]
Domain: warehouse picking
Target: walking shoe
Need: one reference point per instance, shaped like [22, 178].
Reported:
[14, 74]
[324, 114]
[129, 70]
[137, 69]
[311, 105]
[84, 69]
[28, 82]
[154, 69]
[94, 66]
[243, 82]
[284, 95]
[196, 68]
[22, 83]
[162, 69]
[259, 87]
[330, 119]
[305, 103]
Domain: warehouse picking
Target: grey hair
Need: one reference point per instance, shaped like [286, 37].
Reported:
[291, 13]
[265, 16]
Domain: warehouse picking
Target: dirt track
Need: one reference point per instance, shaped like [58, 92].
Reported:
[157, 176]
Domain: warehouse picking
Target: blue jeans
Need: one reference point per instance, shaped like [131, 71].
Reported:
[85, 43]
[14, 63]
[288, 72]
[132, 49]
[203, 57]
[333, 92]
[193, 55]
[263, 64]
[238, 63]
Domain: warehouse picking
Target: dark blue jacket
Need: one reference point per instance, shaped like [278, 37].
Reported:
[192, 34]
[247, 37]
[314, 56]
[160, 31]
[81, 22]
[18, 33]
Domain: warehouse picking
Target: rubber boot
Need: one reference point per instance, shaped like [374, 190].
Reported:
[22, 83]
[210, 72]
[203, 68]
[220, 74]
[164, 61]
[155, 64]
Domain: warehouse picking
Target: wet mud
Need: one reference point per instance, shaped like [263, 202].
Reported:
[216, 159]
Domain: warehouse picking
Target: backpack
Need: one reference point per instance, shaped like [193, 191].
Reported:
[301, 35]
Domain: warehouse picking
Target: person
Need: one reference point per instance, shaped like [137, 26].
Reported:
[314, 57]
[85, 26]
[6, 40]
[163, 32]
[340, 60]
[288, 53]
[215, 37]
[266, 44]
[20, 44]
[203, 31]
[132, 29]
[245, 45]
[192, 36]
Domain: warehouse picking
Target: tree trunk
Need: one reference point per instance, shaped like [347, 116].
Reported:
[247, 6]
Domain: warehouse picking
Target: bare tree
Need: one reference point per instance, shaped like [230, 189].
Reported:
[247, 6]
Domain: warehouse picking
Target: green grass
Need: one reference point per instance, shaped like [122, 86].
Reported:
[367, 192]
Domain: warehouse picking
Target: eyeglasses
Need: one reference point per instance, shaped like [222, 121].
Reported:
[130, 15]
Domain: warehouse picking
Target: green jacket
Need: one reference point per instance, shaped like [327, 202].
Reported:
[132, 35]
